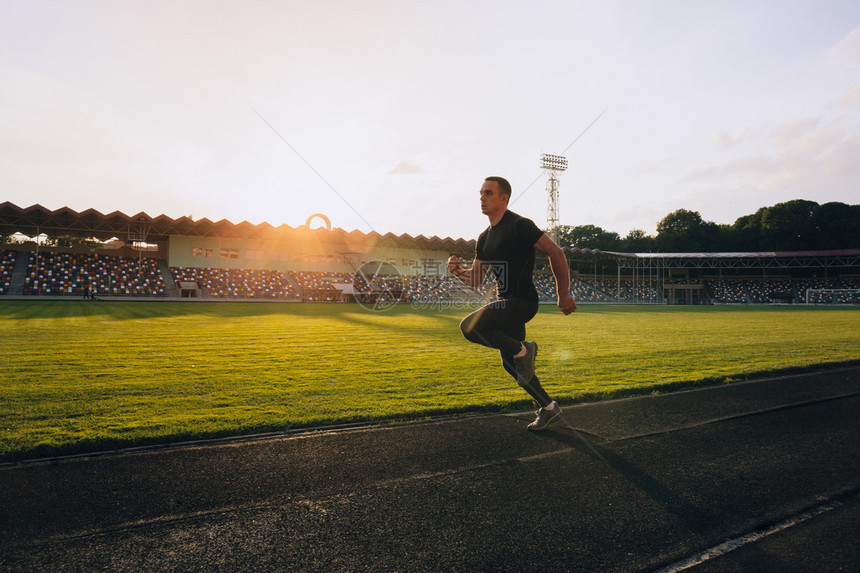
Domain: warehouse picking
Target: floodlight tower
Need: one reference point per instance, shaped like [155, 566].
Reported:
[553, 165]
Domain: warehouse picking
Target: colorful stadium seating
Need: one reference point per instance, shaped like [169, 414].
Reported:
[52, 273]
[7, 264]
[245, 283]
[71, 273]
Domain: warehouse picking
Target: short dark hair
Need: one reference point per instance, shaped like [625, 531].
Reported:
[504, 186]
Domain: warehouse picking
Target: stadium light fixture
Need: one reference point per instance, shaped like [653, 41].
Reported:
[553, 162]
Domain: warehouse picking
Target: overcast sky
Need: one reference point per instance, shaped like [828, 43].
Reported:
[387, 115]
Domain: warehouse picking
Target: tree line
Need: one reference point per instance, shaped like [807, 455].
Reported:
[797, 225]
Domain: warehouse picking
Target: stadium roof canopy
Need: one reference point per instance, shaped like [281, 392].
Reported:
[65, 222]
[757, 260]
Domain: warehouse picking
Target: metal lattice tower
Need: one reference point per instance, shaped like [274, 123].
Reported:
[553, 165]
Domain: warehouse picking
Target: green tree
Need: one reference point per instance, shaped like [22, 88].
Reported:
[837, 226]
[789, 226]
[746, 233]
[799, 225]
[637, 241]
[683, 231]
[588, 237]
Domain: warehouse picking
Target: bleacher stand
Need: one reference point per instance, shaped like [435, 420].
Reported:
[610, 288]
[802, 285]
[847, 297]
[489, 289]
[373, 288]
[644, 290]
[7, 264]
[319, 286]
[583, 291]
[71, 273]
[545, 285]
[580, 289]
[727, 291]
[770, 290]
[630, 290]
[321, 280]
[398, 287]
[438, 287]
[222, 283]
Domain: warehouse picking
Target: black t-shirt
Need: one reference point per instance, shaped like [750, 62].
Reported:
[508, 247]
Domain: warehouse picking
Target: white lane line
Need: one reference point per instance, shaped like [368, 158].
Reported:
[738, 542]
[732, 417]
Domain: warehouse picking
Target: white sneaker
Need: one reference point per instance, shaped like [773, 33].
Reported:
[545, 416]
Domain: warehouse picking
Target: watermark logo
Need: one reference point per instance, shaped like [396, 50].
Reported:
[379, 285]
[498, 272]
[468, 303]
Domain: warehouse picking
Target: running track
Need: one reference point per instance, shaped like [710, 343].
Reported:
[754, 476]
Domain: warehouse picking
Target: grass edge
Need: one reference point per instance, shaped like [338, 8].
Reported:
[85, 448]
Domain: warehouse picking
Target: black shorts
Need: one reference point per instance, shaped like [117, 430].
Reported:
[500, 324]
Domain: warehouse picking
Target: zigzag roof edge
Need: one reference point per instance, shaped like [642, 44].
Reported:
[204, 222]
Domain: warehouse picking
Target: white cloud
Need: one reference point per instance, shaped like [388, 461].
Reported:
[142, 106]
[406, 169]
[809, 158]
[847, 51]
[848, 101]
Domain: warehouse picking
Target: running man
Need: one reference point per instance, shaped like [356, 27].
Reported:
[507, 249]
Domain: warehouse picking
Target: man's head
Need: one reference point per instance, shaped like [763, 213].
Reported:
[504, 186]
[495, 194]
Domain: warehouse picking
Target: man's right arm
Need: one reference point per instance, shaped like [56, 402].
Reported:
[472, 276]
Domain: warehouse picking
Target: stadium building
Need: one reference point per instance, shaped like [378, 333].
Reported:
[119, 255]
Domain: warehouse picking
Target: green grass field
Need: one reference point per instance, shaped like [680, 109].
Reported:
[82, 376]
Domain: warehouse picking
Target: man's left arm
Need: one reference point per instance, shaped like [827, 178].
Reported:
[558, 264]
